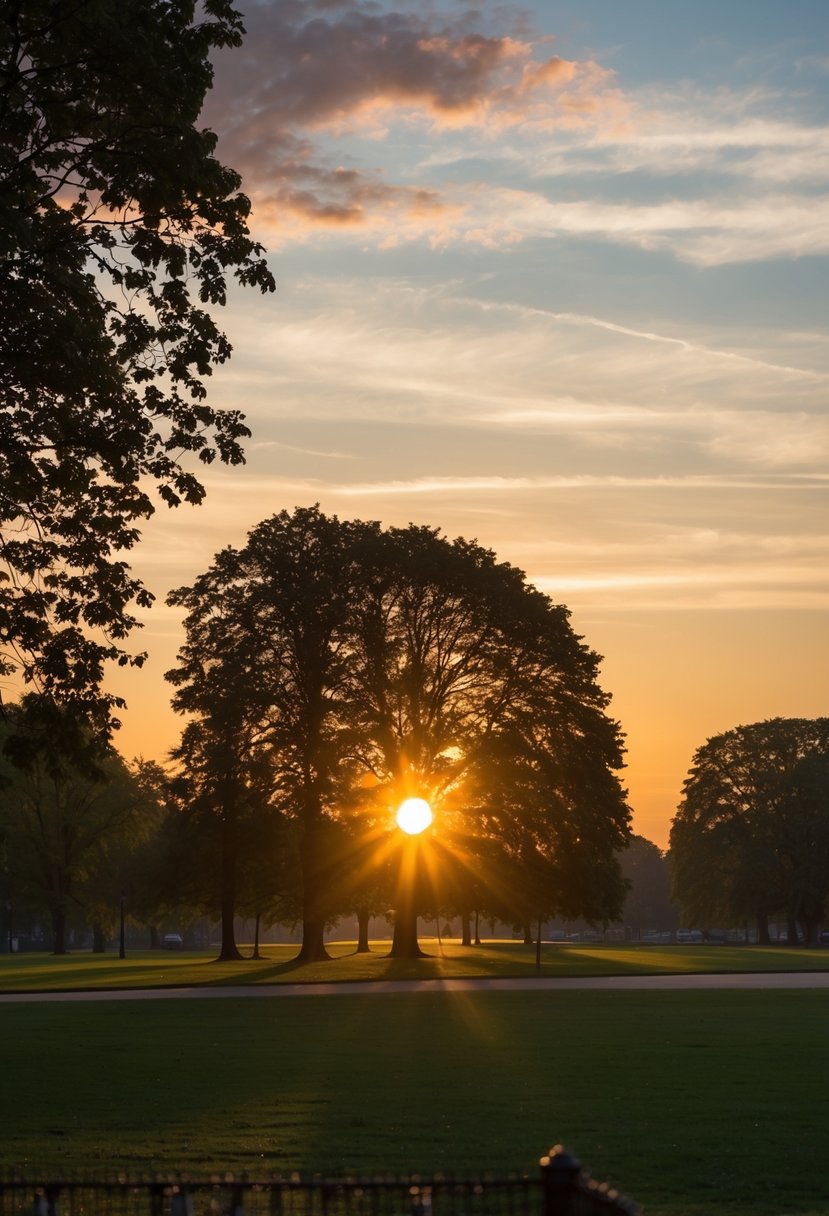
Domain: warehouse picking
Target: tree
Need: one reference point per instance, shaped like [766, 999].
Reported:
[648, 903]
[219, 683]
[69, 809]
[118, 232]
[473, 691]
[282, 602]
[115, 871]
[399, 663]
[805, 843]
[749, 815]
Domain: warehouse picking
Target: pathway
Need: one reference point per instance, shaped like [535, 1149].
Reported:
[608, 983]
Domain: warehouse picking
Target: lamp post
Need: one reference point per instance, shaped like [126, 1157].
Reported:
[413, 817]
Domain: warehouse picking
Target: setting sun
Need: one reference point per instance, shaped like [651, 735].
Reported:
[414, 816]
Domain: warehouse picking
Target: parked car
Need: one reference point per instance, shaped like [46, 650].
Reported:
[172, 941]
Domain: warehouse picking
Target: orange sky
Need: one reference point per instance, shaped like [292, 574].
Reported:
[552, 277]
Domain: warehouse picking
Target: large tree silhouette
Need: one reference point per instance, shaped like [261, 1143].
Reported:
[119, 230]
[396, 663]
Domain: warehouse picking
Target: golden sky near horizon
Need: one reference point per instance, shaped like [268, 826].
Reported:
[552, 276]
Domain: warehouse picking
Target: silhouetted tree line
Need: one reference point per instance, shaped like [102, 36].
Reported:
[750, 841]
[81, 830]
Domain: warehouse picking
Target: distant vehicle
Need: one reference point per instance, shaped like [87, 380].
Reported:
[172, 941]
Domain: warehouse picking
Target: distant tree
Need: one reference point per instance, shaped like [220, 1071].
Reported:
[69, 809]
[218, 682]
[805, 843]
[150, 889]
[648, 902]
[116, 868]
[750, 812]
[118, 231]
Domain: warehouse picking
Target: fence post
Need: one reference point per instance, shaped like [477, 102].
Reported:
[560, 1171]
[181, 1202]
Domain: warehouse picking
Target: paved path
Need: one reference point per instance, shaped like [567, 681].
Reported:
[606, 983]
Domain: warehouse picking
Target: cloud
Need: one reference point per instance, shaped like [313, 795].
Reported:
[321, 91]
[435, 355]
[706, 232]
[702, 482]
[310, 70]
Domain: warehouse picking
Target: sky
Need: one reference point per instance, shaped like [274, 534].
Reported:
[552, 276]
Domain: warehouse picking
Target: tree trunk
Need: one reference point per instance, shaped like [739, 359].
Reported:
[59, 931]
[313, 948]
[811, 931]
[155, 938]
[229, 951]
[477, 933]
[763, 935]
[466, 929]
[404, 943]
[99, 943]
[257, 924]
[792, 936]
[362, 933]
[529, 940]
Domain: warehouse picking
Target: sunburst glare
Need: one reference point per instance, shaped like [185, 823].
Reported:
[414, 816]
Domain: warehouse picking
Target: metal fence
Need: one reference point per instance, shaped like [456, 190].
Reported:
[561, 1188]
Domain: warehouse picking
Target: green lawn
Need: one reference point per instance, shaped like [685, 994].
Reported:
[35, 972]
[698, 1102]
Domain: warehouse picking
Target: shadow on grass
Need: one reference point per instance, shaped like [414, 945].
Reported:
[449, 960]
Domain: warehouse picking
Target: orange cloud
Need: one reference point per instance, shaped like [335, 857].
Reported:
[309, 67]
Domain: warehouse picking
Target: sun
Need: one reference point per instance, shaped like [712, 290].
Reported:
[414, 816]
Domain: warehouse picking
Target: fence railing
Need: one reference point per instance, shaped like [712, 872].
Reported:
[561, 1188]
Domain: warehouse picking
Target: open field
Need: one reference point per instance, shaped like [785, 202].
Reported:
[692, 1102]
[146, 969]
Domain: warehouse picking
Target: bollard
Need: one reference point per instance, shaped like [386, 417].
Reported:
[181, 1202]
[237, 1200]
[560, 1172]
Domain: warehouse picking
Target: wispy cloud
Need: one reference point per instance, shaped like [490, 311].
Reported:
[684, 344]
[709, 231]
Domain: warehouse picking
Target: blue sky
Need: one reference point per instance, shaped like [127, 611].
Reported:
[553, 276]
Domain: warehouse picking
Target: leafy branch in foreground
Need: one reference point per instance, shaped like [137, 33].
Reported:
[119, 230]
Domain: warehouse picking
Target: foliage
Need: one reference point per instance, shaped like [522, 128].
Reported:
[118, 231]
[751, 836]
[648, 903]
[71, 812]
[382, 664]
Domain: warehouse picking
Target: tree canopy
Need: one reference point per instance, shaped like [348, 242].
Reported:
[751, 836]
[119, 230]
[384, 664]
[71, 814]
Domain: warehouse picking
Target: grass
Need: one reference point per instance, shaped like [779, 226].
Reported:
[163, 969]
[693, 1102]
